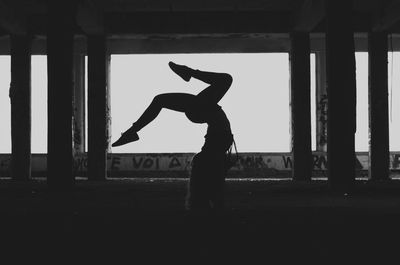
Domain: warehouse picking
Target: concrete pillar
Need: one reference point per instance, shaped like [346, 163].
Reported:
[300, 106]
[378, 105]
[60, 90]
[108, 106]
[340, 58]
[20, 96]
[79, 104]
[321, 102]
[97, 108]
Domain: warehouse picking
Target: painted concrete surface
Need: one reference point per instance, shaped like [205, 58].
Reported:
[262, 165]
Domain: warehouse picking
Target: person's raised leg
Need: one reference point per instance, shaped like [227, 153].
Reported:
[173, 101]
[219, 82]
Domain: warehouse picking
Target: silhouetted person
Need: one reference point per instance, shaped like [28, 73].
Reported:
[209, 166]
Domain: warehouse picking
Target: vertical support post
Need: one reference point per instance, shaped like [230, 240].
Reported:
[322, 101]
[341, 95]
[60, 90]
[97, 107]
[378, 106]
[20, 96]
[79, 103]
[300, 106]
[108, 106]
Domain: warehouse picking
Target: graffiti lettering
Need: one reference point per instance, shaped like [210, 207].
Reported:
[115, 161]
[249, 164]
[322, 109]
[148, 163]
[319, 162]
[80, 164]
[287, 161]
[137, 164]
[77, 133]
[396, 161]
[252, 162]
[174, 163]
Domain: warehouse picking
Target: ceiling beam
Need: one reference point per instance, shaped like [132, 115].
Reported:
[90, 18]
[12, 21]
[198, 22]
[310, 15]
[206, 43]
[386, 16]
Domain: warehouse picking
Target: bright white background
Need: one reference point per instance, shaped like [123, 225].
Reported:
[361, 138]
[257, 103]
[39, 104]
[5, 108]
[394, 101]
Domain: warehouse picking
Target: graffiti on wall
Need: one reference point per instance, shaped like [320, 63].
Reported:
[319, 162]
[276, 162]
[322, 110]
[249, 164]
[139, 162]
[5, 163]
[77, 136]
[395, 161]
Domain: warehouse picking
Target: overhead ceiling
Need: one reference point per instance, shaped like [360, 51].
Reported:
[205, 5]
[39, 6]
[150, 16]
[163, 26]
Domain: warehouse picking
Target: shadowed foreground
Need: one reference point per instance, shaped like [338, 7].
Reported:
[144, 220]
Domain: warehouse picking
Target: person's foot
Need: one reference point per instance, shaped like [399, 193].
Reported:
[127, 137]
[182, 70]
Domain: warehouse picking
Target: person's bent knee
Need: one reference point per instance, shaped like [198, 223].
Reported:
[159, 100]
[226, 79]
[229, 79]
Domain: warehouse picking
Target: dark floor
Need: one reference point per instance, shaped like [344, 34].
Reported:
[144, 220]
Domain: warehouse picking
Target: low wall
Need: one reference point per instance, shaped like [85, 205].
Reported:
[266, 165]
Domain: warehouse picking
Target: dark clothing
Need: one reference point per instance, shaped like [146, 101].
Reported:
[217, 142]
[209, 168]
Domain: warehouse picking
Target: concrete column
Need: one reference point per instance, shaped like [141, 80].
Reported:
[321, 102]
[60, 90]
[341, 90]
[97, 108]
[20, 96]
[378, 105]
[300, 106]
[79, 104]
[108, 107]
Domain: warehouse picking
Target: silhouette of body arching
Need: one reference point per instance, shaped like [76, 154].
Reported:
[208, 166]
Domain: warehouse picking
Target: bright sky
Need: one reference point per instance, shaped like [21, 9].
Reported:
[257, 103]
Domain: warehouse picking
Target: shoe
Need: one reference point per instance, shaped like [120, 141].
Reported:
[181, 70]
[126, 137]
